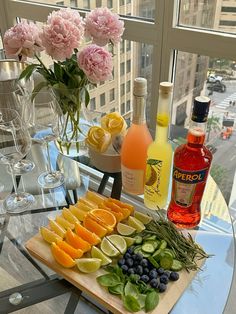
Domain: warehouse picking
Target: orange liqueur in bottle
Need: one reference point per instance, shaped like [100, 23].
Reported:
[190, 170]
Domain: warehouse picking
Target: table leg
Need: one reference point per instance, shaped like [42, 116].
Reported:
[103, 183]
[73, 301]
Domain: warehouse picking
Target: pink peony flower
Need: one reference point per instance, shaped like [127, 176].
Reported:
[60, 37]
[104, 26]
[22, 41]
[96, 62]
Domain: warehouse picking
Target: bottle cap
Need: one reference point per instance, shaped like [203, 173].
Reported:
[201, 109]
[166, 87]
[140, 86]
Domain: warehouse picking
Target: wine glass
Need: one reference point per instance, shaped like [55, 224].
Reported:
[15, 143]
[45, 129]
[18, 100]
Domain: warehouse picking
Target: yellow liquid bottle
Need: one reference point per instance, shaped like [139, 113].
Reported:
[159, 154]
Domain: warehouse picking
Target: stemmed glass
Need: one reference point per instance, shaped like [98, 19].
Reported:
[18, 100]
[15, 143]
[45, 129]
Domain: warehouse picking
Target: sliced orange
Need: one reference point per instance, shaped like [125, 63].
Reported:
[95, 197]
[57, 228]
[68, 215]
[88, 202]
[74, 253]
[116, 208]
[78, 213]
[95, 227]
[83, 206]
[62, 257]
[122, 204]
[104, 218]
[119, 216]
[64, 223]
[87, 235]
[76, 241]
[49, 235]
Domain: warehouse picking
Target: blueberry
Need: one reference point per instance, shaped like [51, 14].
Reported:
[129, 262]
[146, 270]
[130, 250]
[164, 279]
[124, 268]
[136, 263]
[145, 278]
[131, 271]
[153, 274]
[162, 287]
[174, 276]
[144, 262]
[121, 262]
[160, 271]
[139, 270]
[127, 255]
[166, 273]
[139, 257]
[154, 283]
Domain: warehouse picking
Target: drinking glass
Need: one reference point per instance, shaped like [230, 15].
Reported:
[45, 129]
[15, 143]
[18, 100]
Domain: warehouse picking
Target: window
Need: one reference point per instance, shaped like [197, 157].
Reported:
[128, 66]
[60, 3]
[102, 99]
[110, 4]
[112, 94]
[122, 89]
[228, 9]
[128, 106]
[122, 2]
[113, 110]
[122, 68]
[86, 4]
[122, 109]
[122, 46]
[92, 104]
[228, 23]
[128, 45]
[73, 3]
[128, 84]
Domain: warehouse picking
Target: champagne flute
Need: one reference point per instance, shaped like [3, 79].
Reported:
[45, 129]
[18, 100]
[15, 143]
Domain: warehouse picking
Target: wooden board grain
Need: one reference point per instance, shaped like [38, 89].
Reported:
[87, 282]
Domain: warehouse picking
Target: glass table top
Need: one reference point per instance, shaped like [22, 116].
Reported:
[207, 293]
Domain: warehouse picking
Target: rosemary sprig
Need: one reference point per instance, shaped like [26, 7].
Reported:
[185, 248]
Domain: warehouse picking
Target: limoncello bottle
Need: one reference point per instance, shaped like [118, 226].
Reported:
[159, 154]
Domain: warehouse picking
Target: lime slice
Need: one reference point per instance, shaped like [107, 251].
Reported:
[129, 241]
[145, 219]
[96, 253]
[119, 242]
[135, 223]
[88, 265]
[109, 248]
[125, 230]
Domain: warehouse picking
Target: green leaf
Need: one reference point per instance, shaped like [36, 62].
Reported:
[87, 98]
[27, 72]
[152, 300]
[118, 289]
[58, 71]
[108, 280]
[38, 88]
[131, 289]
[131, 304]
[141, 300]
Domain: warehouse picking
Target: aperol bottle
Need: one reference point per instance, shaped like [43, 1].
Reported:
[136, 142]
[191, 165]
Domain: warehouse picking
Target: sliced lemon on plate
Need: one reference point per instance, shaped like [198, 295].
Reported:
[135, 223]
[145, 219]
[119, 242]
[88, 265]
[129, 241]
[97, 253]
[125, 230]
[108, 248]
[49, 235]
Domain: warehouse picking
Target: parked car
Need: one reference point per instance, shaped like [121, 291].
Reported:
[217, 87]
[212, 78]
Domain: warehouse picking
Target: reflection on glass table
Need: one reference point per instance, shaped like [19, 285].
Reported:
[214, 234]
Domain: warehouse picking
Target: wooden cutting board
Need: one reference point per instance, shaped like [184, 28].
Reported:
[87, 282]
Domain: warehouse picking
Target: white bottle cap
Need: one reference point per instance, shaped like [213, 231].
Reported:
[140, 86]
[166, 87]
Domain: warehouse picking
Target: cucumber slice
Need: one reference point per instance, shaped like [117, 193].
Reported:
[166, 261]
[145, 254]
[163, 245]
[154, 243]
[153, 237]
[153, 262]
[138, 239]
[137, 249]
[157, 255]
[148, 248]
[176, 265]
[170, 252]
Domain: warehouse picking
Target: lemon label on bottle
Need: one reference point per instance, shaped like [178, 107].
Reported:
[185, 183]
[132, 180]
[153, 177]
[163, 119]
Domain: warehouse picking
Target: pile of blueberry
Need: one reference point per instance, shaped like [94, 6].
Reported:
[158, 278]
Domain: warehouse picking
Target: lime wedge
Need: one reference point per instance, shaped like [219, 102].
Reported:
[88, 265]
[119, 242]
[96, 253]
[108, 248]
[135, 223]
[145, 219]
[125, 230]
[129, 241]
